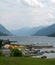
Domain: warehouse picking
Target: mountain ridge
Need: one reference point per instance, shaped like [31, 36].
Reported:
[46, 31]
[4, 31]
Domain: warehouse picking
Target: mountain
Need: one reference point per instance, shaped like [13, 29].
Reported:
[52, 35]
[46, 31]
[4, 31]
[2, 34]
[26, 31]
[20, 32]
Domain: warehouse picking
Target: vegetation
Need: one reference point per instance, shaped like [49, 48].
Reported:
[25, 61]
[2, 42]
[16, 53]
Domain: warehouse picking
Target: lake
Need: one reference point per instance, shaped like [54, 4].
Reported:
[31, 39]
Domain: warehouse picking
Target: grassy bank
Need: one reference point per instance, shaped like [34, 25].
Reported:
[25, 61]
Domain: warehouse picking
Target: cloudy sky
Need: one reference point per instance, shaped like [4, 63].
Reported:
[16, 14]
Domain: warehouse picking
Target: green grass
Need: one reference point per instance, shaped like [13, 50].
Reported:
[25, 61]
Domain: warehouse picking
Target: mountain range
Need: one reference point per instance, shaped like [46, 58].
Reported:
[28, 31]
[36, 31]
[47, 31]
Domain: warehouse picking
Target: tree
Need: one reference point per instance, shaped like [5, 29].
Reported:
[1, 43]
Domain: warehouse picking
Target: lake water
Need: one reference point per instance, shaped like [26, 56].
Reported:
[31, 39]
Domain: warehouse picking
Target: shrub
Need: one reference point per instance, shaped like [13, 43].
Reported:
[16, 52]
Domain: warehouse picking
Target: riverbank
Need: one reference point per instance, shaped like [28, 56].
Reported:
[25, 61]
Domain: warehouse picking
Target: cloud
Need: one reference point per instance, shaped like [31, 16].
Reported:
[21, 13]
[51, 16]
[52, 1]
[33, 3]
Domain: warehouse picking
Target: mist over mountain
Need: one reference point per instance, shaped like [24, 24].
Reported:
[26, 31]
[47, 31]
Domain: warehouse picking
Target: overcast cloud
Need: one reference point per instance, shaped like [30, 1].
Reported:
[23, 13]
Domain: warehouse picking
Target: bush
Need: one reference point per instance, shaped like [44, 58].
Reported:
[16, 53]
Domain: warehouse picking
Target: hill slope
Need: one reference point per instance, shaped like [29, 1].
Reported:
[3, 34]
[46, 31]
[4, 31]
[52, 35]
